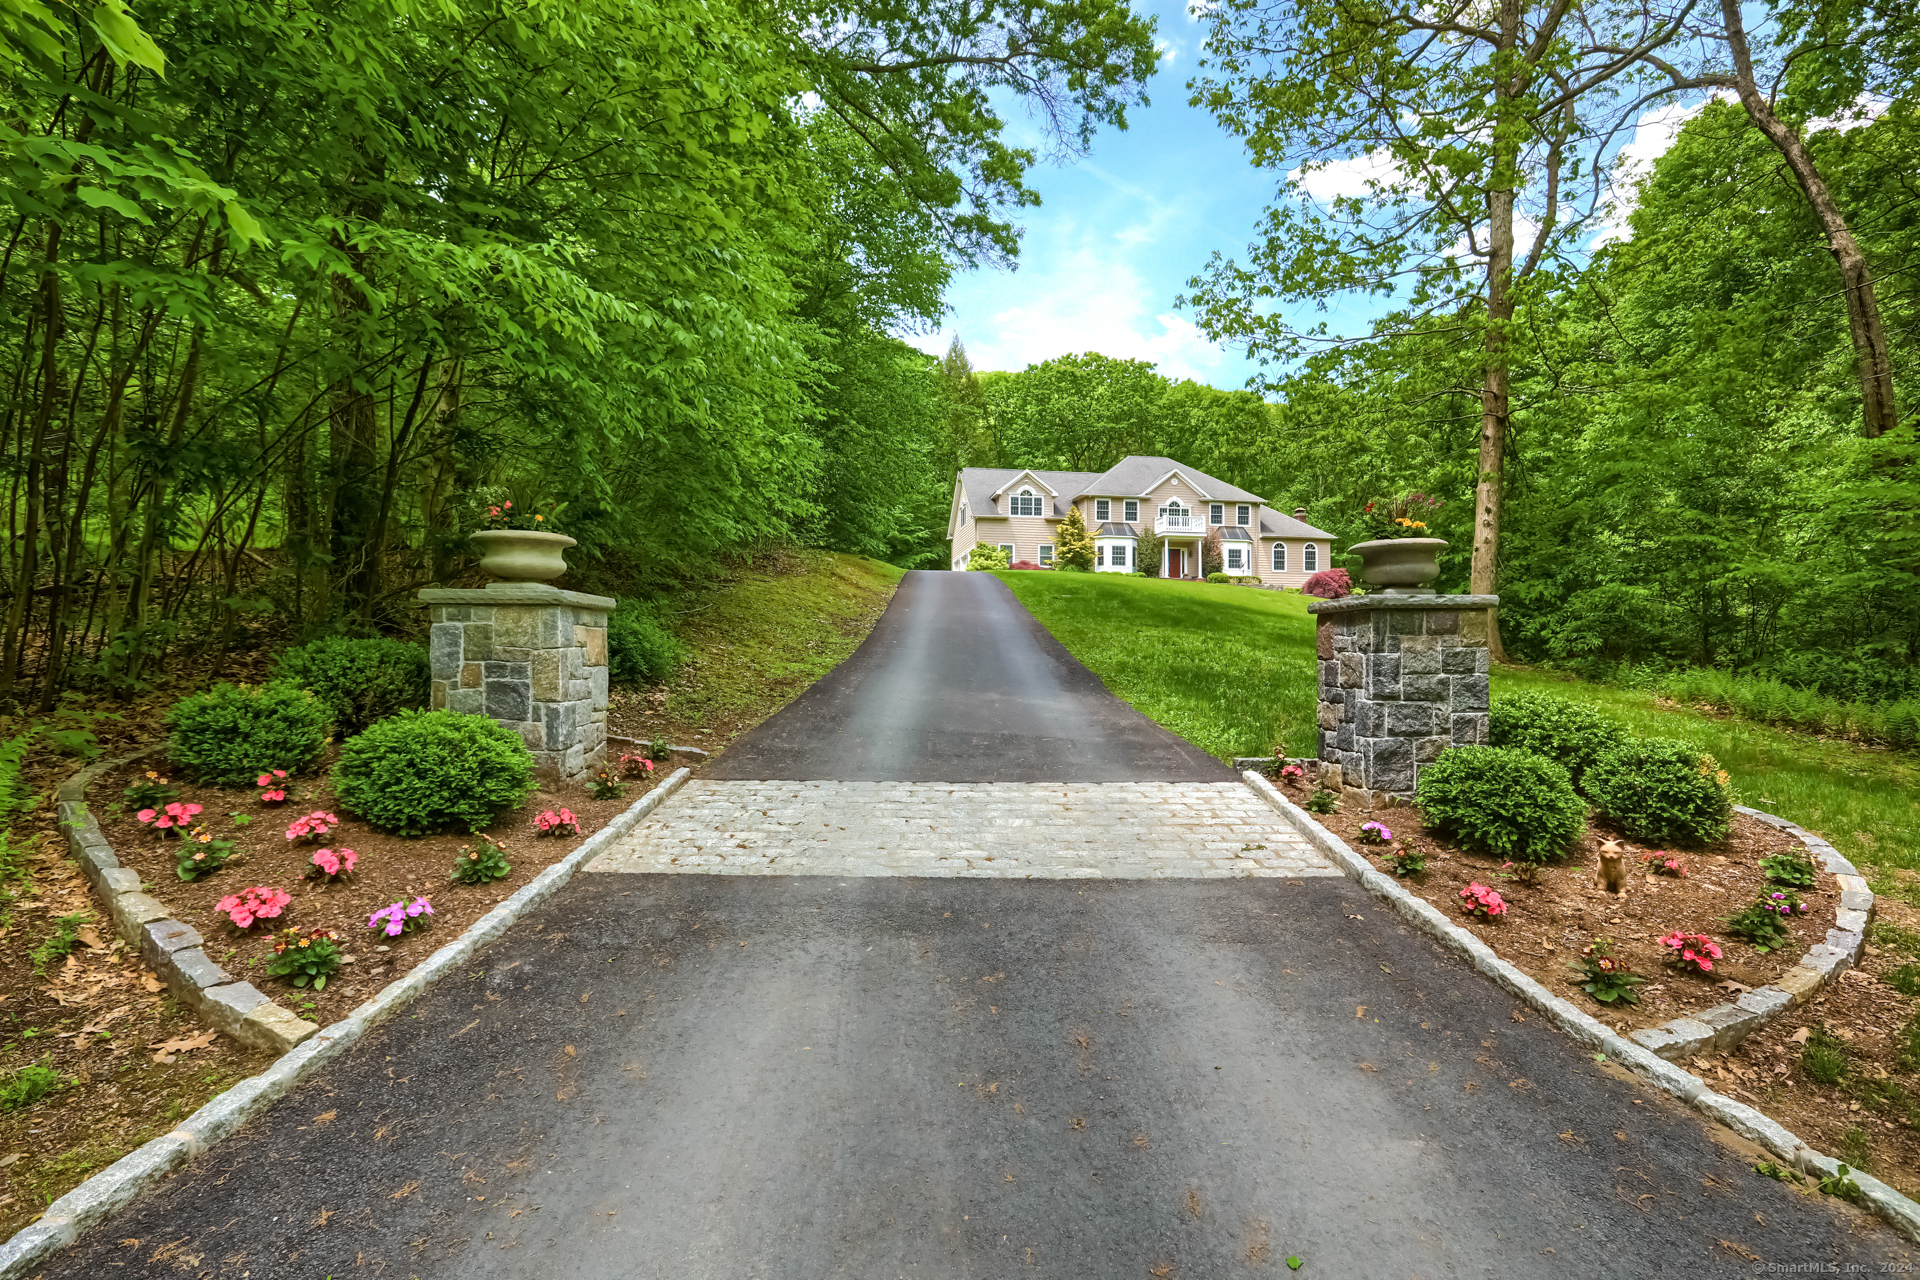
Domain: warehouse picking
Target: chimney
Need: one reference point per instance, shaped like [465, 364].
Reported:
[1299, 513]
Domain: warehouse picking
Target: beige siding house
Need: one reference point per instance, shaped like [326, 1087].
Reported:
[1021, 510]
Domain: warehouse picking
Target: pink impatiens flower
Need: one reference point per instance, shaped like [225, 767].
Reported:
[173, 817]
[1482, 901]
[334, 862]
[273, 786]
[261, 902]
[1694, 950]
[312, 827]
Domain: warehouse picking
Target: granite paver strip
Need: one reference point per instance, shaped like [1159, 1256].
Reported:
[1009, 830]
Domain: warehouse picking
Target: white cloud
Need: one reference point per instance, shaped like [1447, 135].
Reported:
[1087, 297]
[1347, 177]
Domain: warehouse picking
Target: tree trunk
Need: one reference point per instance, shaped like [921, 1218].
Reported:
[1494, 375]
[1874, 364]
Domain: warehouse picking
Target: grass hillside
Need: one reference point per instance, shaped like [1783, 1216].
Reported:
[1230, 669]
[755, 641]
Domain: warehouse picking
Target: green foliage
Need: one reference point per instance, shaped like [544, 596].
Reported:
[359, 681]
[1603, 976]
[1073, 545]
[1824, 1056]
[14, 796]
[1405, 861]
[1840, 1184]
[639, 648]
[232, 732]
[194, 856]
[28, 1085]
[1758, 923]
[420, 772]
[482, 863]
[57, 945]
[149, 792]
[1905, 979]
[1663, 791]
[312, 959]
[1571, 734]
[1502, 801]
[986, 559]
[1323, 801]
[1792, 870]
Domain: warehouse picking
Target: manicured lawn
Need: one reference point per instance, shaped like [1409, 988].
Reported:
[1866, 801]
[1230, 669]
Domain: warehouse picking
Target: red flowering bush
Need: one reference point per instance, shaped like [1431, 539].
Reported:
[1025, 564]
[262, 902]
[1478, 900]
[559, 822]
[1692, 951]
[635, 766]
[311, 827]
[331, 864]
[1328, 584]
[174, 817]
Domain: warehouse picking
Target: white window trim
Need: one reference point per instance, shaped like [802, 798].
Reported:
[1233, 554]
[1216, 513]
[1102, 510]
[1309, 558]
[1046, 553]
[1242, 515]
[1279, 557]
[1008, 548]
[1026, 496]
[1100, 555]
[1132, 509]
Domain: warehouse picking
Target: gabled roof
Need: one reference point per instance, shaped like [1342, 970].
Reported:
[1034, 475]
[1135, 477]
[980, 484]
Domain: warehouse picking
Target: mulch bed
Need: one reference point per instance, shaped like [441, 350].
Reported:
[1547, 924]
[389, 868]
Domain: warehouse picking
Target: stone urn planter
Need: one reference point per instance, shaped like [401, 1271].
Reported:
[1400, 564]
[522, 555]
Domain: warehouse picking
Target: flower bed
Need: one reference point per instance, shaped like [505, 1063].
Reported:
[1547, 927]
[308, 863]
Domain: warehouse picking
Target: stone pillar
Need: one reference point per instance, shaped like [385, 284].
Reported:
[1402, 677]
[530, 656]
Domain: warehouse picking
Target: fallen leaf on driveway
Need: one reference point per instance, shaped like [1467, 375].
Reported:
[1360, 1011]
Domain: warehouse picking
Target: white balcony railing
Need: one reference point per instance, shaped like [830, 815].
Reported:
[1179, 522]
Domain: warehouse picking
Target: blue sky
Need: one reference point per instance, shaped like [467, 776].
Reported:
[1121, 231]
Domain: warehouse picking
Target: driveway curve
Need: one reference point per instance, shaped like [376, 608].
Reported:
[959, 683]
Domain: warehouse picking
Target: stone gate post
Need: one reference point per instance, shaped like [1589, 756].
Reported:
[530, 656]
[1402, 677]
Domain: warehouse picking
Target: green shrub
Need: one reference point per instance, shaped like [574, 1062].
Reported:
[1663, 791]
[360, 681]
[231, 733]
[1217, 576]
[1571, 734]
[419, 772]
[29, 1084]
[985, 558]
[1500, 800]
[638, 647]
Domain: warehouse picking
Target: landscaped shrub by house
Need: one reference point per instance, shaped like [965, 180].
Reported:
[360, 681]
[1073, 545]
[1571, 734]
[1662, 791]
[638, 647]
[1328, 584]
[1502, 801]
[1025, 564]
[985, 559]
[420, 772]
[231, 732]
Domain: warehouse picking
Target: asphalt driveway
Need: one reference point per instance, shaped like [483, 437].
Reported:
[959, 683]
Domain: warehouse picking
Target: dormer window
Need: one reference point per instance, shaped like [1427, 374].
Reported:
[1025, 503]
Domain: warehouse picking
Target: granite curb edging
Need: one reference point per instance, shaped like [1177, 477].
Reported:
[173, 949]
[1750, 1123]
[119, 1183]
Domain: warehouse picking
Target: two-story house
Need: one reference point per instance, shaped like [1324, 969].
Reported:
[1021, 511]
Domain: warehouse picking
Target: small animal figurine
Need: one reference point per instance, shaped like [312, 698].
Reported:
[1613, 867]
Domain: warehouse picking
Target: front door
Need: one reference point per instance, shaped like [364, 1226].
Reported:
[1173, 564]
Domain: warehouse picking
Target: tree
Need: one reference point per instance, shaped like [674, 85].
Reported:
[1146, 550]
[1078, 412]
[1455, 118]
[985, 558]
[1073, 545]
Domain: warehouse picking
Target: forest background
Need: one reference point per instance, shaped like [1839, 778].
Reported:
[291, 295]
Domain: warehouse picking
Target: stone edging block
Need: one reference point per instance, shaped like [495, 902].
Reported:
[1897, 1209]
[171, 948]
[119, 1183]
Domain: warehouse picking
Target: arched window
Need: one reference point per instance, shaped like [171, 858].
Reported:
[1026, 503]
[1279, 557]
[1309, 557]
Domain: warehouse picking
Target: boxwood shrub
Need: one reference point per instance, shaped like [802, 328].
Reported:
[1662, 791]
[1501, 800]
[1571, 734]
[361, 681]
[231, 733]
[420, 772]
